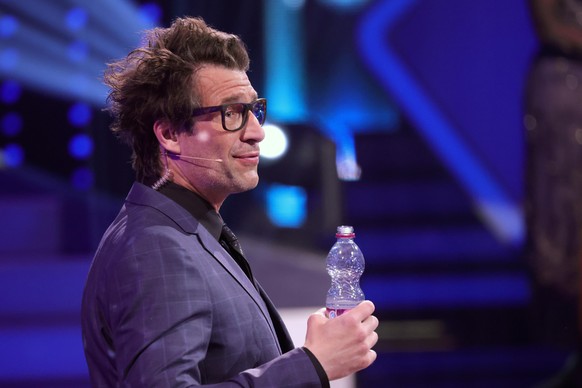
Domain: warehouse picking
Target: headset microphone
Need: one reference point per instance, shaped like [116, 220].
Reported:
[180, 156]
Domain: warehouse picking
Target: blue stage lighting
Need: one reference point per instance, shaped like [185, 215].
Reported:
[11, 124]
[10, 91]
[286, 205]
[500, 212]
[150, 13]
[13, 155]
[78, 51]
[82, 178]
[460, 291]
[43, 47]
[9, 58]
[344, 4]
[119, 20]
[40, 61]
[76, 19]
[285, 68]
[294, 4]
[80, 114]
[8, 26]
[81, 146]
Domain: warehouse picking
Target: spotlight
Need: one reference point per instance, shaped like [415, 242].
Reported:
[274, 146]
[299, 194]
[13, 155]
[8, 26]
[81, 146]
[76, 18]
[286, 205]
[80, 114]
[150, 13]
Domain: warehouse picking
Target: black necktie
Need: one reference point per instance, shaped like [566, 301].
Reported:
[232, 246]
[229, 241]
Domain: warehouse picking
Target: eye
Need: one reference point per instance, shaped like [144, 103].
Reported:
[233, 111]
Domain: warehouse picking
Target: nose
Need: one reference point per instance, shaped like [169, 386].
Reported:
[253, 131]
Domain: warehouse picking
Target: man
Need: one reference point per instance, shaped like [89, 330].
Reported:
[170, 300]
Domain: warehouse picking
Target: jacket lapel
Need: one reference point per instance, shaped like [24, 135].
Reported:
[217, 251]
[145, 196]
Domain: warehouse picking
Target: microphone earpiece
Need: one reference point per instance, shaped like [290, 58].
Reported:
[180, 156]
[198, 158]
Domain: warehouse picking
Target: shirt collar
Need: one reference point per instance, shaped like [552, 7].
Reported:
[197, 206]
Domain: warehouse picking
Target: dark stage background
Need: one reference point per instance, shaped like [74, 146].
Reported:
[403, 118]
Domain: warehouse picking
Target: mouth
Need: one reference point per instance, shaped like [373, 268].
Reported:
[248, 157]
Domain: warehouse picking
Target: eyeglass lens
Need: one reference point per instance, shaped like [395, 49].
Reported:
[235, 115]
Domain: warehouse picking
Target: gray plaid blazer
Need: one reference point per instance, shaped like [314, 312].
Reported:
[164, 305]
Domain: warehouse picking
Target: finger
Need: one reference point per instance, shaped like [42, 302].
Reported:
[372, 356]
[318, 316]
[372, 339]
[371, 323]
[368, 359]
[363, 310]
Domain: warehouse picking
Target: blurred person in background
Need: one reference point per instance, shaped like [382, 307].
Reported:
[553, 194]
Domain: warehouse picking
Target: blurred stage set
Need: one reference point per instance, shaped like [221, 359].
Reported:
[402, 118]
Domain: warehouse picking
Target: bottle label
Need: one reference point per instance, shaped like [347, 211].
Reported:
[333, 313]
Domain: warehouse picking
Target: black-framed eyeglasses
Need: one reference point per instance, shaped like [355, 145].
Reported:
[235, 115]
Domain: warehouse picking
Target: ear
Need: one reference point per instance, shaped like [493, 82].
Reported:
[166, 136]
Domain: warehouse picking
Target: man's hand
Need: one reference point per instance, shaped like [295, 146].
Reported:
[343, 345]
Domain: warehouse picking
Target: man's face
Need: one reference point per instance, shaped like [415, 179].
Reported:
[238, 151]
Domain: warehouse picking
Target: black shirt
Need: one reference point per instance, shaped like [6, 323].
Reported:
[195, 205]
[208, 217]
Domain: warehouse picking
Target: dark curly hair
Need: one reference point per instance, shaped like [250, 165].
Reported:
[155, 82]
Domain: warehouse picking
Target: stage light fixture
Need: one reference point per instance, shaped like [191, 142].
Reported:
[150, 13]
[76, 19]
[286, 205]
[275, 144]
[286, 86]
[81, 146]
[8, 26]
[299, 193]
[13, 155]
[79, 114]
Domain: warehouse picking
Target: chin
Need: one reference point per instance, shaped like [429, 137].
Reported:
[247, 184]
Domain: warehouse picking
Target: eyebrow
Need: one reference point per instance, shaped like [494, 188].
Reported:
[236, 98]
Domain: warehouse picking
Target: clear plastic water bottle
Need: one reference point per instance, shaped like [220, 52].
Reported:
[345, 266]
